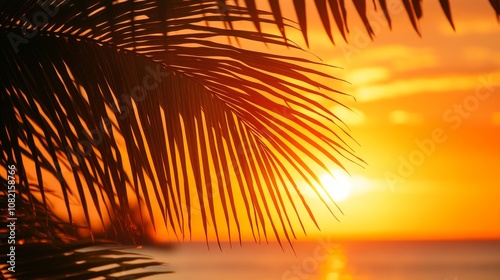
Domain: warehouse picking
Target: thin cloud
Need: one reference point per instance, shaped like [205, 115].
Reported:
[398, 57]
[368, 75]
[405, 117]
[415, 86]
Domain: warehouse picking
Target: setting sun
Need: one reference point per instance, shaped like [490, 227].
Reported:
[256, 139]
[338, 186]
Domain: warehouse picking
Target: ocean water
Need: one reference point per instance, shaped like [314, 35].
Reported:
[327, 260]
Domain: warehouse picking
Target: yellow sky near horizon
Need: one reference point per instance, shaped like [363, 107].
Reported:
[427, 119]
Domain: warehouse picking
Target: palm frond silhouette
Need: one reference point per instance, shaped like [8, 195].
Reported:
[337, 8]
[110, 107]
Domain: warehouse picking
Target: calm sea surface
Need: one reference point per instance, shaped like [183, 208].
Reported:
[327, 260]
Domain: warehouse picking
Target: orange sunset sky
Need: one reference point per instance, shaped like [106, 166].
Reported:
[427, 120]
[430, 103]
[409, 89]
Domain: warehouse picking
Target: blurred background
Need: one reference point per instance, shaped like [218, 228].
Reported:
[427, 120]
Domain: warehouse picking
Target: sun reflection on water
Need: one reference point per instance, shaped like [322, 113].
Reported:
[335, 267]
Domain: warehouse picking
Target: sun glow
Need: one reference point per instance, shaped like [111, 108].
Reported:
[338, 186]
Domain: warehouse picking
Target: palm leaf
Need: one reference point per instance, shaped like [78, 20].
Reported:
[337, 8]
[76, 260]
[45, 248]
[197, 128]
